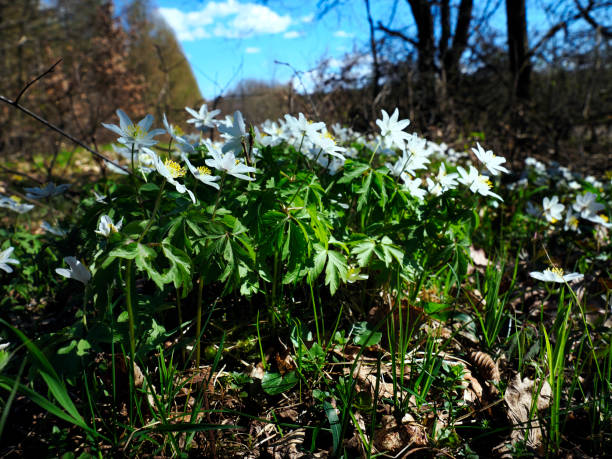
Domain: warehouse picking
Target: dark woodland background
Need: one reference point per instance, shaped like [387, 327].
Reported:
[544, 93]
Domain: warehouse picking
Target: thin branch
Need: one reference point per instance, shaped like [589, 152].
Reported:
[606, 32]
[31, 82]
[53, 127]
[297, 74]
[396, 33]
[22, 174]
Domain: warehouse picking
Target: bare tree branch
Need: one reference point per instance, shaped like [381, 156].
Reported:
[606, 32]
[39, 77]
[53, 127]
[396, 33]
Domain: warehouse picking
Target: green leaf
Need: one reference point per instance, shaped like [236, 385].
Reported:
[128, 251]
[83, 347]
[365, 336]
[180, 266]
[319, 261]
[352, 170]
[144, 258]
[274, 383]
[336, 270]
[439, 311]
[334, 424]
[364, 191]
[391, 251]
[363, 251]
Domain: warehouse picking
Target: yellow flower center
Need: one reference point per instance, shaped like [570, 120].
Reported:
[604, 217]
[237, 162]
[573, 222]
[16, 198]
[484, 179]
[203, 170]
[178, 131]
[134, 131]
[176, 170]
[113, 228]
[328, 135]
[557, 271]
[553, 220]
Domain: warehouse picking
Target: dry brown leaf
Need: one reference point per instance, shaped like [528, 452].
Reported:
[519, 399]
[479, 257]
[287, 445]
[366, 377]
[257, 372]
[388, 437]
[473, 389]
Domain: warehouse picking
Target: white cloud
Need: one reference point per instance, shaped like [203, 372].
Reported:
[343, 34]
[308, 18]
[252, 50]
[292, 34]
[228, 19]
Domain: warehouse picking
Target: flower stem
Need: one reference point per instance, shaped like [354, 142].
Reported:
[374, 152]
[130, 310]
[199, 320]
[155, 209]
[218, 196]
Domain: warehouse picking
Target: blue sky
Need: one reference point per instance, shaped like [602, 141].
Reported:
[227, 41]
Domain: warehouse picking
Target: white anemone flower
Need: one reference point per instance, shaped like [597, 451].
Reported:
[134, 135]
[234, 135]
[586, 205]
[14, 205]
[228, 163]
[48, 191]
[490, 161]
[78, 271]
[552, 209]
[302, 127]
[354, 274]
[477, 183]
[392, 130]
[202, 173]
[555, 275]
[106, 226]
[170, 170]
[5, 260]
[203, 119]
[600, 219]
[414, 186]
[571, 221]
[172, 130]
[326, 143]
[56, 231]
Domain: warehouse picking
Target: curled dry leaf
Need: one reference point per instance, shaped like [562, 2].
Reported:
[486, 366]
[519, 399]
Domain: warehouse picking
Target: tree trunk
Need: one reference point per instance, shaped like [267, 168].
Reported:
[518, 48]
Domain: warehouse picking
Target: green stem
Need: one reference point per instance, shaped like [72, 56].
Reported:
[180, 320]
[130, 310]
[199, 320]
[218, 196]
[373, 153]
[155, 209]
